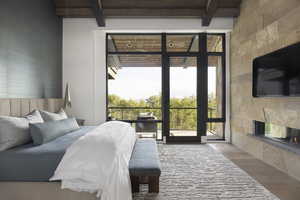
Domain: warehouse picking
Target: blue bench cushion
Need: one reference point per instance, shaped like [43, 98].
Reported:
[144, 159]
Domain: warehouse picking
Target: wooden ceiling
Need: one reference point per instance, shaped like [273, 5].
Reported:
[152, 43]
[100, 9]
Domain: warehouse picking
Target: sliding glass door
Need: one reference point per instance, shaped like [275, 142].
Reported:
[185, 80]
[183, 96]
[134, 82]
[169, 84]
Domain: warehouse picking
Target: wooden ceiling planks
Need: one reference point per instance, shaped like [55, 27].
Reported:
[152, 43]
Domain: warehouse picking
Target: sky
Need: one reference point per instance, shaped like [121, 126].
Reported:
[142, 82]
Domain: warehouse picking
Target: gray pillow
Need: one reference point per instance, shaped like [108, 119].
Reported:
[45, 132]
[14, 131]
[49, 116]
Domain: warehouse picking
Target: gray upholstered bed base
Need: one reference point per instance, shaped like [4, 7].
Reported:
[144, 163]
[35, 190]
[40, 191]
[29, 163]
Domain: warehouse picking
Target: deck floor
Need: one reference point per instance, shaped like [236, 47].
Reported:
[179, 133]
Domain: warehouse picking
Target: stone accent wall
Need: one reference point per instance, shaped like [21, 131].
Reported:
[263, 26]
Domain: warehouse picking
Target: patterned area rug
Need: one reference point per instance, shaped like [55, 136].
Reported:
[200, 172]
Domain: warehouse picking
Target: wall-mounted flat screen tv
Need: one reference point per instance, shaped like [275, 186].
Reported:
[277, 74]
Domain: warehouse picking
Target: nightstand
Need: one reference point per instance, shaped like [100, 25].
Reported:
[80, 122]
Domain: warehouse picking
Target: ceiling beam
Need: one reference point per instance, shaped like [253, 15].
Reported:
[74, 12]
[146, 12]
[98, 12]
[211, 9]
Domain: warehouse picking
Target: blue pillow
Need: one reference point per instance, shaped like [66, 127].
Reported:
[45, 132]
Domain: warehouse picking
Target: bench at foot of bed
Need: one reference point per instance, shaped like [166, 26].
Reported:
[144, 165]
[152, 181]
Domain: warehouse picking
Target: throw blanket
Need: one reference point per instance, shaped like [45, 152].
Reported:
[98, 162]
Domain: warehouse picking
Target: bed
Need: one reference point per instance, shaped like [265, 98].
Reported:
[36, 163]
[25, 170]
[23, 187]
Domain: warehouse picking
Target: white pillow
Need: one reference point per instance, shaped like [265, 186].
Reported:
[14, 131]
[34, 117]
[49, 116]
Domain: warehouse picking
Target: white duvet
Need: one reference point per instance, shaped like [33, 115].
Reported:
[98, 162]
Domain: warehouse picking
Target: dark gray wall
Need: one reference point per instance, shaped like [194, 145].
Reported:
[30, 49]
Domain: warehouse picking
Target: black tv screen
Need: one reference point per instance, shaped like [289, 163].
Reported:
[277, 73]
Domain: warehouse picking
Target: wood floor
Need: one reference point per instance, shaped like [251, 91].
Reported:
[279, 183]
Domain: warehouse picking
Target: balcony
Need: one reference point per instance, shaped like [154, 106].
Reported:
[183, 121]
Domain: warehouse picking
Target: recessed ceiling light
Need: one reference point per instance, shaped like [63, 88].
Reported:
[171, 44]
[129, 45]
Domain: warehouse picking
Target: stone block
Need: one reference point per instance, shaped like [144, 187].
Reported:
[278, 9]
[274, 156]
[290, 22]
[292, 161]
[254, 147]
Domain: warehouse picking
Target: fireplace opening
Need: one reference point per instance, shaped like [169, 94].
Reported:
[282, 134]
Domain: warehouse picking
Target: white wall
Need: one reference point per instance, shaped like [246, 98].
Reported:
[228, 108]
[84, 58]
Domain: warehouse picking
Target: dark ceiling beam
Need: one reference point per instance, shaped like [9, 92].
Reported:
[180, 12]
[74, 12]
[146, 12]
[211, 9]
[154, 12]
[98, 12]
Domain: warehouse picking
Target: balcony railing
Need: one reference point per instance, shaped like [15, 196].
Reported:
[183, 118]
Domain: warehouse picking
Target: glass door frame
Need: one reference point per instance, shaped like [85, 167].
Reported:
[202, 82]
[201, 89]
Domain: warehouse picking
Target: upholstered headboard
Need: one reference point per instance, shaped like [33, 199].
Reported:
[21, 107]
